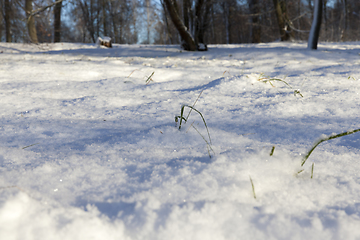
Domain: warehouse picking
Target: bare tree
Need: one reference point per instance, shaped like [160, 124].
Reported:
[189, 42]
[30, 22]
[315, 27]
[57, 22]
[254, 7]
[7, 14]
[286, 32]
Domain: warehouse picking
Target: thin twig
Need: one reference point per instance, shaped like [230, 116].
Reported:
[39, 10]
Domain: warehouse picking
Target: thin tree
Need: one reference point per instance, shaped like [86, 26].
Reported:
[256, 27]
[30, 22]
[283, 20]
[7, 14]
[183, 31]
[315, 26]
[57, 22]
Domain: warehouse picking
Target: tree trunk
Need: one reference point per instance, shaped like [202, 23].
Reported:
[283, 21]
[57, 22]
[7, 20]
[88, 18]
[204, 22]
[315, 26]
[345, 19]
[148, 23]
[256, 28]
[184, 33]
[104, 17]
[186, 12]
[30, 22]
[166, 22]
[198, 20]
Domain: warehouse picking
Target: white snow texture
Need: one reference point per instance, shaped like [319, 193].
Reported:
[90, 148]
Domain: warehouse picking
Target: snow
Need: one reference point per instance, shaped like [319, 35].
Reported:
[90, 151]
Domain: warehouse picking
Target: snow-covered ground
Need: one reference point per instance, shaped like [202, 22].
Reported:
[90, 148]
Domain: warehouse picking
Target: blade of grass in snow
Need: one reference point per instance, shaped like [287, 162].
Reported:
[149, 79]
[268, 79]
[207, 143]
[323, 139]
[202, 117]
[30, 145]
[312, 170]
[194, 104]
[132, 72]
[253, 188]
[272, 150]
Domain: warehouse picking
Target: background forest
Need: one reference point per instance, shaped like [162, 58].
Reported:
[148, 21]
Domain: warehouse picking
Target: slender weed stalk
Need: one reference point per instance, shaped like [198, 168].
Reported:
[272, 150]
[208, 146]
[266, 79]
[312, 170]
[323, 139]
[149, 79]
[30, 145]
[182, 118]
[253, 188]
[132, 72]
[194, 103]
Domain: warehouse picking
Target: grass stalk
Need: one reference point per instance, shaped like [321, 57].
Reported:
[312, 170]
[265, 79]
[149, 79]
[253, 188]
[272, 150]
[194, 104]
[30, 145]
[185, 119]
[323, 139]
[207, 143]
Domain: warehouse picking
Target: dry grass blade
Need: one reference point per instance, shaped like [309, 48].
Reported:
[149, 79]
[312, 170]
[207, 143]
[202, 117]
[323, 139]
[30, 145]
[194, 104]
[272, 150]
[253, 188]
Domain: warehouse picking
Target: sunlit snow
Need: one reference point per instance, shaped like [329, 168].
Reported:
[90, 148]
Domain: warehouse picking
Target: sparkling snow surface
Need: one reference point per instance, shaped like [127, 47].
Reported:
[90, 151]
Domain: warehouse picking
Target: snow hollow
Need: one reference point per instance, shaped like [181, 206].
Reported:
[90, 148]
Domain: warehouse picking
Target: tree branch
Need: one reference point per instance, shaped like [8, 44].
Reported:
[39, 10]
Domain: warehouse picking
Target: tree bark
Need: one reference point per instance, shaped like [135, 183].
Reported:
[204, 22]
[104, 17]
[198, 20]
[57, 22]
[283, 21]
[88, 18]
[315, 26]
[30, 22]
[184, 33]
[186, 12]
[256, 28]
[169, 37]
[7, 20]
